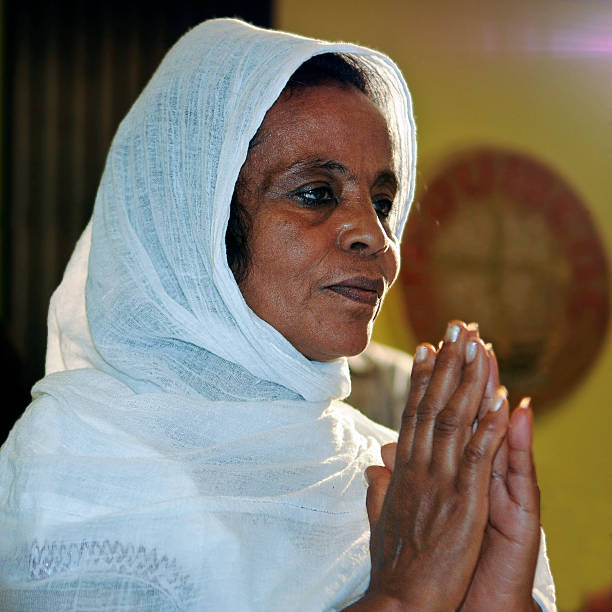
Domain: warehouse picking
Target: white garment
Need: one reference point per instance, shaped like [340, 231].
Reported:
[180, 454]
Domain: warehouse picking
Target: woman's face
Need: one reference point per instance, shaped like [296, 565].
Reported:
[318, 185]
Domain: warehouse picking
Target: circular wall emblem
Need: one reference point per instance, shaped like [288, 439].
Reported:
[499, 238]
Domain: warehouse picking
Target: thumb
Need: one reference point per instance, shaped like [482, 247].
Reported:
[522, 481]
[388, 452]
[378, 478]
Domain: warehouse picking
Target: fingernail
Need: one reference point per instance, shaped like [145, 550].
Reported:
[421, 353]
[525, 403]
[452, 332]
[473, 326]
[489, 347]
[471, 349]
[502, 396]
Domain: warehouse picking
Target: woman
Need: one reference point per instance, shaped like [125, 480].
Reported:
[184, 451]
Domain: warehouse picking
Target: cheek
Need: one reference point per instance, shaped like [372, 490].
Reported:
[282, 271]
[285, 249]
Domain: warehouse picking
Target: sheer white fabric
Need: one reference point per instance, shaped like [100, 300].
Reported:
[131, 501]
[180, 454]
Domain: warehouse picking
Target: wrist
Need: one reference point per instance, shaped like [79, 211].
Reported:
[375, 602]
[384, 602]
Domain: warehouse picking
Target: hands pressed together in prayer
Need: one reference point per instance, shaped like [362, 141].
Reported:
[454, 511]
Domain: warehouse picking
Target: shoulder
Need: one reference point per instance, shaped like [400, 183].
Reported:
[63, 408]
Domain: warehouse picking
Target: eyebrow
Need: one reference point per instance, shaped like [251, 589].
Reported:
[318, 163]
[385, 178]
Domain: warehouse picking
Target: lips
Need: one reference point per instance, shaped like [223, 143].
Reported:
[360, 289]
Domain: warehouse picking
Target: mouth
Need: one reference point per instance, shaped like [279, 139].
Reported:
[360, 289]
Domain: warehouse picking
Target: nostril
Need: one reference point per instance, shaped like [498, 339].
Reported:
[358, 246]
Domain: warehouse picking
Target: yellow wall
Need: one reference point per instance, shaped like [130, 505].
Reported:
[496, 73]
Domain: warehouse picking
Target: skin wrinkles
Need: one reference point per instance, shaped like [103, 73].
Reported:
[386, 179]
[317, 184]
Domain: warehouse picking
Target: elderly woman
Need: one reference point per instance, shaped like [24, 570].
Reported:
[186, 450]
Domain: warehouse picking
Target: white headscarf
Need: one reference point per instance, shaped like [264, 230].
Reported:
[180, 453]
[162, 304]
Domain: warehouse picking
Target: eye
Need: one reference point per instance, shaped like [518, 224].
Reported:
[383, 207]
[316, 196]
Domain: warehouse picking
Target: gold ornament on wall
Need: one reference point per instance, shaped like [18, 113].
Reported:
[499, 238]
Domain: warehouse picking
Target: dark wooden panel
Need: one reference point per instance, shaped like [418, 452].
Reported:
[72, 70]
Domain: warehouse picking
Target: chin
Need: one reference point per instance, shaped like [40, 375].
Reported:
[356, 350]
[345, 347]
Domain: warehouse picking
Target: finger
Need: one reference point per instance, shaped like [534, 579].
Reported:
[474, 334]
[453, 425]
[477, 458]
[387, 452]
[378, 478]
[490, 393]
[521, 480]
[444, 380]
[490, 396]
[500, 462]
[473, 330]
[422, 369]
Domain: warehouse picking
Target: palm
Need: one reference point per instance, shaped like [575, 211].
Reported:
[510, 544]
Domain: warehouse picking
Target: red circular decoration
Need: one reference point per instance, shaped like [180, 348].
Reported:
[499, 238]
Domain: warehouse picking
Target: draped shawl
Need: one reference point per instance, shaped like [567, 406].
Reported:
[180, 453]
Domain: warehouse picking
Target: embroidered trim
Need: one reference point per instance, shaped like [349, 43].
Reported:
[51, 559]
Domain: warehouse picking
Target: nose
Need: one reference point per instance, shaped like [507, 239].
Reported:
[361, 231]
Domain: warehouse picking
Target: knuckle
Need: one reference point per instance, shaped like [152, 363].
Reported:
[514, 471]
[409, 418]
[447, 359]
[474, 454]
[425, 414]
[428, 409]
[523, 470]
[447, 423]
[420, 381]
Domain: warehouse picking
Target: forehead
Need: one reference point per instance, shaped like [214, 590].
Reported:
[326, 118]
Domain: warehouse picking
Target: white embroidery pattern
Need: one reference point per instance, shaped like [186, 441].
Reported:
[52, 559]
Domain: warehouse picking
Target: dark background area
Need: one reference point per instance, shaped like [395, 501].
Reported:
[71, 70]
